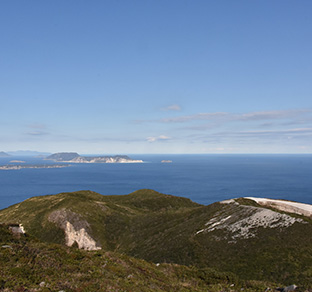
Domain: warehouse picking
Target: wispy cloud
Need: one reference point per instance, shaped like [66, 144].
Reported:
[158, 138]
[37, 133]
[283, 117]
[37, 126]
[263, 136]
[109, 139]
[37, 129]
[272, 115]
[225, 116]
[172, 107]
[200, 116]
[280, 132]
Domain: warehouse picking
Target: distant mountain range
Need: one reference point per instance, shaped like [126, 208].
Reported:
[74, 157]
[3, 154]
[255, 239]
[28, 153]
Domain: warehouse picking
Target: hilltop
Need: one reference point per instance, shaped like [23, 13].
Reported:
[63, 156]
[237, 236]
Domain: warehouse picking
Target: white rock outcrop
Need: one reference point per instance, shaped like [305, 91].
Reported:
[265, 218]
[17, 229]
[244, 223]
[83, 239]
[75, 229]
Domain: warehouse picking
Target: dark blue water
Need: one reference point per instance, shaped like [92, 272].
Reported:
[203, 178]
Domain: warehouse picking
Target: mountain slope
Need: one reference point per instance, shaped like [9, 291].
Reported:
[239, 236]
[27, 264]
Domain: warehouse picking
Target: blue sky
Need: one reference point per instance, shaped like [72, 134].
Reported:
[156, 76]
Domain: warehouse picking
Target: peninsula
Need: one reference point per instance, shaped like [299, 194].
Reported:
[18, 167]
[74, 157]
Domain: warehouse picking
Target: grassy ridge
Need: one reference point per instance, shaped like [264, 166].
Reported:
[162, 229]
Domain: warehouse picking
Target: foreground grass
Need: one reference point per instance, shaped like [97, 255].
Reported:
[27, 264]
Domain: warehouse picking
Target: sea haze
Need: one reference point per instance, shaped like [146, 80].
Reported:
[203, 178]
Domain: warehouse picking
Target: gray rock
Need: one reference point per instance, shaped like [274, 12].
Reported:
[287, 289]
[7, 246]
[42, 284]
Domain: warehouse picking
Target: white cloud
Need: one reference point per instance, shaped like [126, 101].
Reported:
[158, 138]
[173, 107]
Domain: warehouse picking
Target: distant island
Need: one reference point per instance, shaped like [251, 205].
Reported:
[166, 161]
[17, 167]
[3, 154]
[74, 157]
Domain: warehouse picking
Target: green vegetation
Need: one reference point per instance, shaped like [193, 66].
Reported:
[161, 228]
[27, 264]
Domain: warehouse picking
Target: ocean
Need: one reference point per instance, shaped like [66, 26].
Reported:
[202, 178]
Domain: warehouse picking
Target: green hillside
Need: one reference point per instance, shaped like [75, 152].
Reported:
[167, 229]
[27, 264]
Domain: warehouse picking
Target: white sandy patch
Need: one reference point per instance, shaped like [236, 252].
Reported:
[286, 206]
[227, 201]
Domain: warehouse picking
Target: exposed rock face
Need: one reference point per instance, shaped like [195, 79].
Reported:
[105, 159]
[17, 229]
[75, 229]
[245, 228]
[83, 239]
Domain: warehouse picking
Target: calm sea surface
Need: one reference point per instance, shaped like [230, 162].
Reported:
[203, 178]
